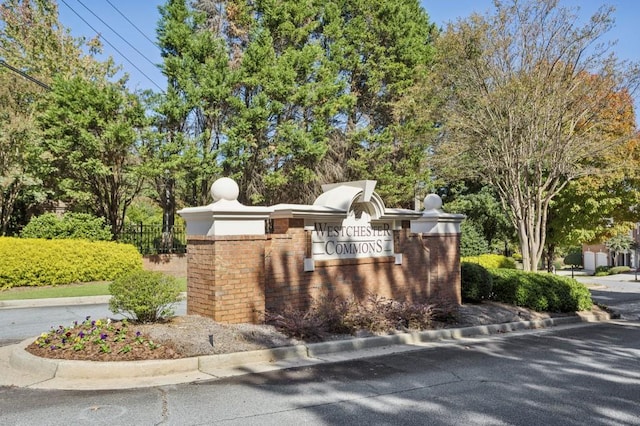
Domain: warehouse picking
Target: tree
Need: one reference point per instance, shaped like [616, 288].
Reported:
[163, 153]
[285, 96]
[619, 244]
[382, 48]
[472, 242]
[485, 211]
[33, 42]
[191, 115]
[593, 208]
[20, 160]
[524, 93]
[91, 129]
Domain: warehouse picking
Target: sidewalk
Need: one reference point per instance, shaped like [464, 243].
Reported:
[20, 368]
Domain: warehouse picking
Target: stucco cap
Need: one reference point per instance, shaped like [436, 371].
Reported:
[341, 196]
[432, 202]
[225, 189]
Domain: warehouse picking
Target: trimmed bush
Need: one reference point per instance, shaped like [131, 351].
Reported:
[573, 259]
[144, 296]
[38, 262]
[540, 292]
[70, 226]
[601, 271]
[476, 282]
[491, 261]
[619, 270]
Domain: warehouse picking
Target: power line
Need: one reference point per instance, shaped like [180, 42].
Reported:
[132, 24]
[112, 46]
[25, 75]
[118, 34]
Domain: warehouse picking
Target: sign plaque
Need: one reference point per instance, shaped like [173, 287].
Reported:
[352, 238]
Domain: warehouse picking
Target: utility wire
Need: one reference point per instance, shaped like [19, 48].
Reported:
[112, 46]
[25, 75]
[118, 34]
[132, 24]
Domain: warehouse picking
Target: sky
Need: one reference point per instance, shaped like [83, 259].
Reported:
[127, 40]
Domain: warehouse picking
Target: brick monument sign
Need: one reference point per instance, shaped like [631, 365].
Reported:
[347, 244]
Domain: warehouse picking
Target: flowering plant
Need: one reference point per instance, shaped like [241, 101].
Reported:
[106, 335]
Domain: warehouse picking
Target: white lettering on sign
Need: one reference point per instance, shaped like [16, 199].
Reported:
[352, 238]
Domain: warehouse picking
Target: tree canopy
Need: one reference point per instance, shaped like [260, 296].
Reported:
[525, 92]
[33, 42]
[285, 96]
[90, 130]
[521, 118]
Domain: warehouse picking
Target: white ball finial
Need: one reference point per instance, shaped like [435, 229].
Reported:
[225, 189]
[432, 202]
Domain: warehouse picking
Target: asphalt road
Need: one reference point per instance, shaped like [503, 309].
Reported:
[619, 292]
[586, 374]
[17, 324]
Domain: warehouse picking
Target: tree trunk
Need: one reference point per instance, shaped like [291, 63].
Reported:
[168, 205]
[529, 217]
[551, 254]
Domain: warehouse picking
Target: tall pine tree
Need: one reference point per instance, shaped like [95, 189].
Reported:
[287, 95]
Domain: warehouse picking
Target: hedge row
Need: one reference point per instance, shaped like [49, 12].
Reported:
[476, 282]
[540, 292]
[491, 261]
[611, 270]
[39, 262]
[69, 226]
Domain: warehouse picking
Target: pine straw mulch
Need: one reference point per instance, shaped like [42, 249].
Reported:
[190, 335]
[177, 337]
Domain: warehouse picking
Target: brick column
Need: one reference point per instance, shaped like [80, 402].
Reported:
[225, 257]
[440, 233]
[226, 278]
[444, 266]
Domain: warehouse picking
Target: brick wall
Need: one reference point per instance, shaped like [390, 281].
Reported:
[226, 278]
[201, 275]
[234, 279]
[171, 264]
[430, 270]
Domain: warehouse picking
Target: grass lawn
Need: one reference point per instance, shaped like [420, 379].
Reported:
[72, 290]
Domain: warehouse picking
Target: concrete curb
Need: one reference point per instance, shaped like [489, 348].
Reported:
[65, 374]
[210, 363]
[22, 360]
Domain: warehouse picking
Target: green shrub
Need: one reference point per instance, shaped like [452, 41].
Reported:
[46, 226]
[573, 259]
[144, 296]
[38, 262]
[602, 271]
[619, 270]
[540, 292]
[476, 282]
[491, 261]
[472, 242]
[70, 226]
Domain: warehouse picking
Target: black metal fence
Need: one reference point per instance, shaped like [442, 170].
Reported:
[150, 239]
